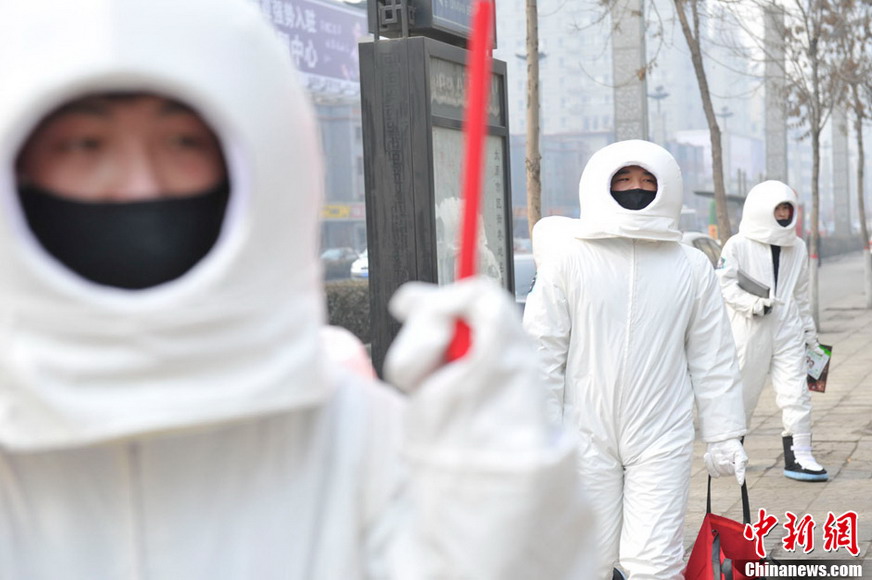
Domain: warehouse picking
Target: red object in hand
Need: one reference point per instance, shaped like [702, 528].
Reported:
[474, 127]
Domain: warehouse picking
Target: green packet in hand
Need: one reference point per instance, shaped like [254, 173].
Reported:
[818, 367]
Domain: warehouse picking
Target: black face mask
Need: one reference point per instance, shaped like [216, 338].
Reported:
[130, 245]
[634, 198]
[784, 223]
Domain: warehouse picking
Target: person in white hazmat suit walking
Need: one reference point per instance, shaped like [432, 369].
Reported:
[632, 330]
[166, 408]
[772, 332]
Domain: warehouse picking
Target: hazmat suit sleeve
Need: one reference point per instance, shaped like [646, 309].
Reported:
[547, 320]
[712, 363]
[727, 272]
[800, 293]
[492, 487]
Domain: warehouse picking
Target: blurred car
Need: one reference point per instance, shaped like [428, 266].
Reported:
[522, 245]
[525, 274]
[705, 244]
[337, 261]
[360, 267]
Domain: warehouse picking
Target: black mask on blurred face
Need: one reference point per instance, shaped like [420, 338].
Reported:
[130, 245]
[786, 222]
[634, 198]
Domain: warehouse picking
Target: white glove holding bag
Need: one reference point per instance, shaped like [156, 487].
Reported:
[726, 458]
[815, 347]
[489, 397]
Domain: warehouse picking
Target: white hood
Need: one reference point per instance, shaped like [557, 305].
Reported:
[237, 336]
[551, 236]
[758, 216]
[602, 217]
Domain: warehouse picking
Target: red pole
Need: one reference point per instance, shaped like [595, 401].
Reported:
[478, 84]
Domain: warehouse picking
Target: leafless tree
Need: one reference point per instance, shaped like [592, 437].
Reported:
[534, 158]
[857, 74]
[859, 109]
[814, 85]
[688, 12]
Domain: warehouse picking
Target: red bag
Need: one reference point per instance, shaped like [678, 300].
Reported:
[721, 551]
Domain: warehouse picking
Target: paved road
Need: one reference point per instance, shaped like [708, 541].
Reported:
[841, 281]
[842, 425]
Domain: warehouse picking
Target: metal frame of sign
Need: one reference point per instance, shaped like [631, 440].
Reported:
[412, 105]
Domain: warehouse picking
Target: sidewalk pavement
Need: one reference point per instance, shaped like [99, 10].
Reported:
[842, 436]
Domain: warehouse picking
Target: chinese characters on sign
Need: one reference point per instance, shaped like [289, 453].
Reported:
[448, 92]
[447, 101]
[492, 258]
[322, 40]
[453, 15]
[838, 532]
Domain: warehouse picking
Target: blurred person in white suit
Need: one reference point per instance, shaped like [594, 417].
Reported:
[167, 409]
[632, 332]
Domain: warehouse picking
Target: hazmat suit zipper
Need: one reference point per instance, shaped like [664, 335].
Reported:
[625, 355]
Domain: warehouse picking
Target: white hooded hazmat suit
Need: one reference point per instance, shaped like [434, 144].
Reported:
[192, 430]
[773, 343]
[631, 329]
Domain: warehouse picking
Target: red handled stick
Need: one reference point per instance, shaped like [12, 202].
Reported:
[478, 83]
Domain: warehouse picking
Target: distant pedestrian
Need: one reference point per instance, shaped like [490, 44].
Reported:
[764, 279]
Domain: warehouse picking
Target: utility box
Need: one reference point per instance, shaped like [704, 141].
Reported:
[413, 98]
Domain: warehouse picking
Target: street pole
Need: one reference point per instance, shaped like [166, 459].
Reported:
[533, 160]
[726, 148]
[658, 95]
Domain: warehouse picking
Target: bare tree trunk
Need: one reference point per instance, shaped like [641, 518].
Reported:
[815, 126]
[861, 205]
[814, 243]
[534, 172]
[691, 35]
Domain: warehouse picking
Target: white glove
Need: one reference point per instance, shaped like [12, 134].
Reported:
[488, 398]
[725, 458]
[760, 305]
[486, 468]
